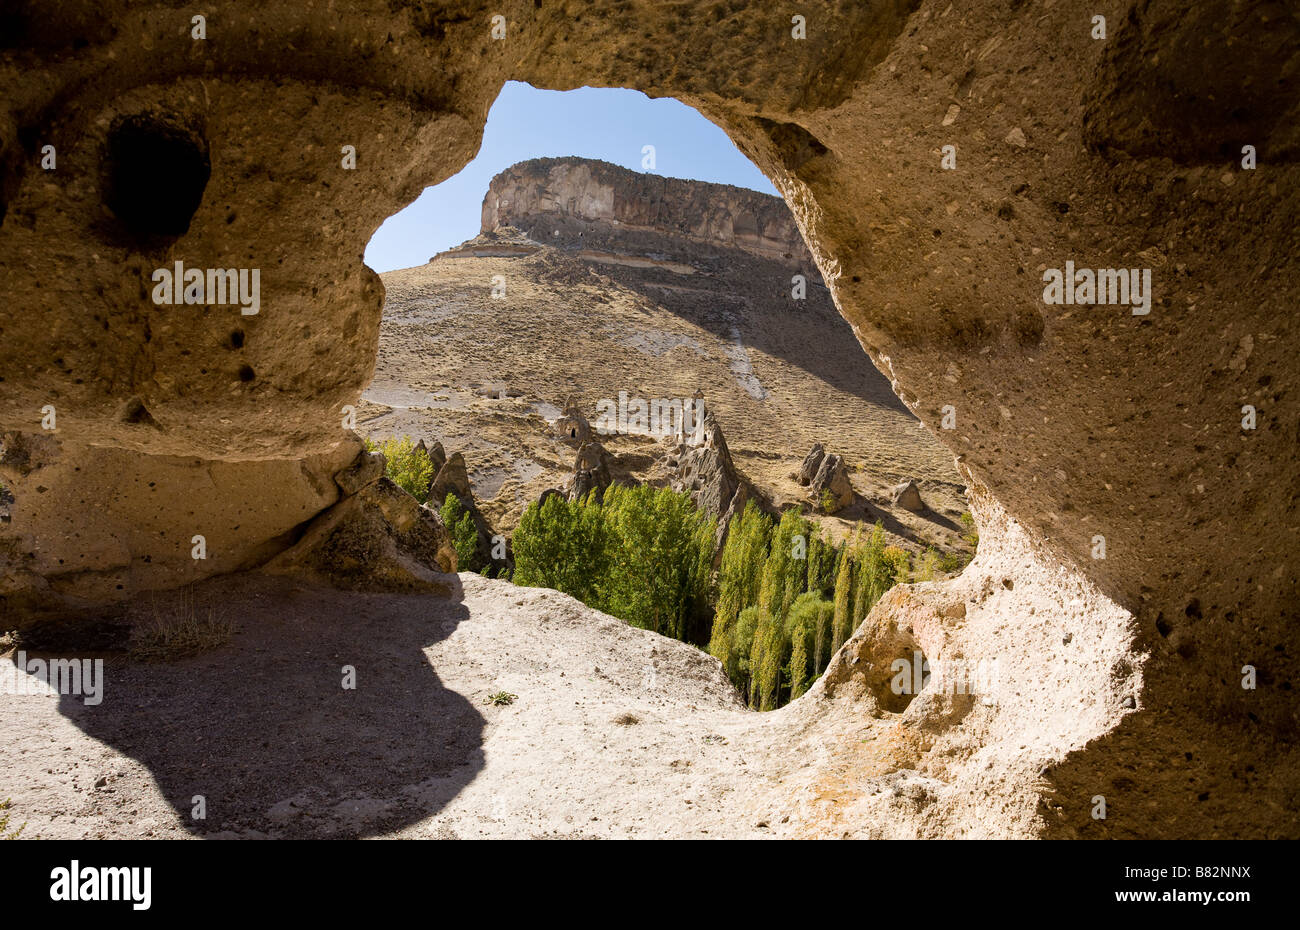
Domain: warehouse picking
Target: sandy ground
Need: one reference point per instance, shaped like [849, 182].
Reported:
[615, 731]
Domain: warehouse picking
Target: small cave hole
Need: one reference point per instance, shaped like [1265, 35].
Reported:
[237, 339]
[246, 373]
[136, 413]
[155, 172]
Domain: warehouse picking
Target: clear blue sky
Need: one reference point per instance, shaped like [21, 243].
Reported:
[611, 124]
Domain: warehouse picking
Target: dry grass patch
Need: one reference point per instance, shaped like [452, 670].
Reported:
[178, 628]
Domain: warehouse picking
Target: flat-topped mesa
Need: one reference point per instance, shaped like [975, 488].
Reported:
[579, 201]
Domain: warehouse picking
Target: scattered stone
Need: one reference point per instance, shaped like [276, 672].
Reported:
[907, 496]
[821, 472]
[830, 488]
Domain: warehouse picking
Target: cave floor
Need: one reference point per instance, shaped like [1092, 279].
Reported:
[612, 731]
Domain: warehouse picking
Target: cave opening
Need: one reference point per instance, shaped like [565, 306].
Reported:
[569, 299]
[155, 171]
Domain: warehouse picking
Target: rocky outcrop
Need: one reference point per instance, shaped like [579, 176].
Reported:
[812, 461]
[827, 478]
[361, 474]
[91, 524]
[436, 455]
[704, 469]
[572, 427]
[451, 478]
[378, 539]
[591, 472]
[1129, 152]
[554, 198]
[908, 496]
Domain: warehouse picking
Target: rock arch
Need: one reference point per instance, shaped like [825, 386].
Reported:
[1072, 423]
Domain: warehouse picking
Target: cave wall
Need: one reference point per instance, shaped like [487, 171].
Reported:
[1078, 421]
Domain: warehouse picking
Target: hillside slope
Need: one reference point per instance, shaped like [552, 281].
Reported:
[615, 281]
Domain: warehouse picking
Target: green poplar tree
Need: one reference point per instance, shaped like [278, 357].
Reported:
[843, 597]
[799, 662]
[743, 555]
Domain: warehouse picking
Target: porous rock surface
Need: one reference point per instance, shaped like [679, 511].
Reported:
[1074, 424]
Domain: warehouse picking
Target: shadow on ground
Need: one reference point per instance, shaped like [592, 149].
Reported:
[265, 732]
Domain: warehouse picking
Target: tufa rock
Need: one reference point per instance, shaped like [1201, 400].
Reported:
[704, 469]
[591, 471]
[378, 539]
[437, 456]
[832, 476]
[452, 478]
[1137, 123]
[907, 496]
[573, 428]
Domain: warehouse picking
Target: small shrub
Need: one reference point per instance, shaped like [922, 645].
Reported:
[951, 562]
[971, 535]
[501, 699]
[899, 565]
[5, 832]
[927, 565]
[827, 501]
[464, 534]
[407, 467]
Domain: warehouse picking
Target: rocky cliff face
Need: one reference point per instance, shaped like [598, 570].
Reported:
[579, 198]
